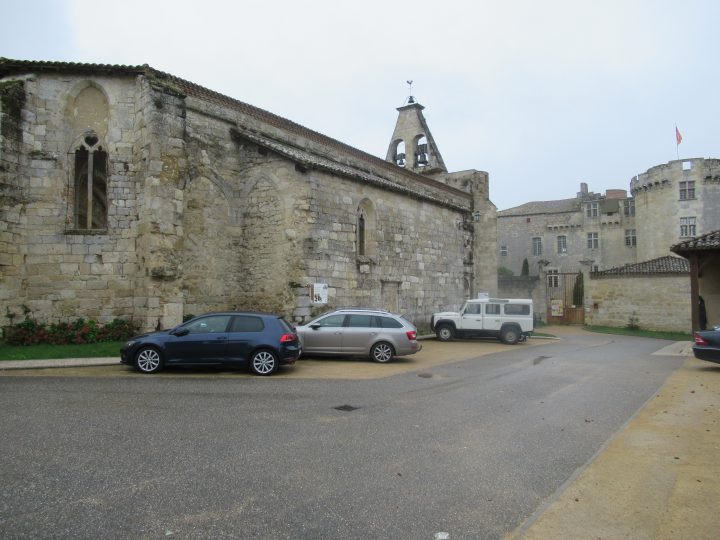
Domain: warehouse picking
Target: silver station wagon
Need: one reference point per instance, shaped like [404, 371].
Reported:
[378, 334]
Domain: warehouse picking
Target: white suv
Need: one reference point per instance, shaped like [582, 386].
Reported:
[510, 320]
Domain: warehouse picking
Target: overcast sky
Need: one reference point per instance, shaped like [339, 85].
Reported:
[542, 95]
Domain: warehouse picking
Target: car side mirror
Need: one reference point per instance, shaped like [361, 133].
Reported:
[314, 326]
[180, 332]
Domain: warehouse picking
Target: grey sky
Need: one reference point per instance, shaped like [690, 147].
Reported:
[541, 94]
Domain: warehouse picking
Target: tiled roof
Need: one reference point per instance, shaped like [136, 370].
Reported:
[661, 265]
[709, 241]
[9, 66]
[543, 207]
[317, 162]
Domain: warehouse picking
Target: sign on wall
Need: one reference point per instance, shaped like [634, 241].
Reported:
[319, 293]
[556, 308]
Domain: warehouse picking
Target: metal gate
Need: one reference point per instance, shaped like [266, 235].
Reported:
[559, 291]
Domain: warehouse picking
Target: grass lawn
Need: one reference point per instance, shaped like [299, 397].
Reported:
[673, 336]
[44, 352]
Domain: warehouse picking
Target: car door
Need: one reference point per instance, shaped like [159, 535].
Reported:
[493, 318]
[324, 335]
[359, 334]
[245, 331]
[472, 317]
[203, 340]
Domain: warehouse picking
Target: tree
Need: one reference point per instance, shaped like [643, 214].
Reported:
[504, 271]
[579, 290]
[525, 268]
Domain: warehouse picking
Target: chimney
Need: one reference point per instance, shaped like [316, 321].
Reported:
[583, 191]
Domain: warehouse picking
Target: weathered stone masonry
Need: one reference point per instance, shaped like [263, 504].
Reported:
[201, 202]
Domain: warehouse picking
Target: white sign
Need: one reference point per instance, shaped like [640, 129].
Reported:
[319, 293]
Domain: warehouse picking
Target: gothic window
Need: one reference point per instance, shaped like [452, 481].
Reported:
[537, 245]
[593, 240]
[687, 226]
[687, 190]
[90, 185]
[562, 244]
[630, 239]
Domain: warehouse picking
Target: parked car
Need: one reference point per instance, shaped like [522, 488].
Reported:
[376, 333]
[510, 320]
[707, 345]
[259, 340]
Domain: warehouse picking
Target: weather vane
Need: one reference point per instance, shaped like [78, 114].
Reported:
[411, 99]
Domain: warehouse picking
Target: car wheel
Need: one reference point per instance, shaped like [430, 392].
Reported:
[510, 336]
[263, 362]
[148, 360]
[382, 352]
[445, 332]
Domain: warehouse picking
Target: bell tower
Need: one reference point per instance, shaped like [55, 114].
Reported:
[412, 145]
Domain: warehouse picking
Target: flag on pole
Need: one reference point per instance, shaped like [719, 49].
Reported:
[678, 137]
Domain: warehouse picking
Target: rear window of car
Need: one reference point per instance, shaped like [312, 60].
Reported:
[388, 322]
[492, 309]
[247, 323]
[286, 326]
[517, 309]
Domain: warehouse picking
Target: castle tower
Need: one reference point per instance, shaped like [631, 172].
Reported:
[412, 145]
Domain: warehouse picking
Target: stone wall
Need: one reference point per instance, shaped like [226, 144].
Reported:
[212, 206]
[658, 302]
[525, 287]
[48, 270]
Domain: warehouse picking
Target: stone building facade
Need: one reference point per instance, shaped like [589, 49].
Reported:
[593, 233]
[128, 192]
[667, 204]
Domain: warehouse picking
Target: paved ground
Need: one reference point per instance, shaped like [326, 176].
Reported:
[659, 477]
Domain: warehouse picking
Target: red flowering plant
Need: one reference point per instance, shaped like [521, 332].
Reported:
[31, 332]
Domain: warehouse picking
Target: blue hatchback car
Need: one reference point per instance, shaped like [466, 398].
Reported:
[261, 341]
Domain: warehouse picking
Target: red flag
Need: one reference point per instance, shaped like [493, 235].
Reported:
[678, 137]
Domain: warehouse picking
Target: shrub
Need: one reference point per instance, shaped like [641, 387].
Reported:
[30, 332]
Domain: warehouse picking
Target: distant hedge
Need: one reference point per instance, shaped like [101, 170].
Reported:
[31, 332]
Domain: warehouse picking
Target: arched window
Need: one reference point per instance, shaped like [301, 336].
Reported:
[361, 235]
[400, 154]
[90, 184]
[421, 152]
[366, 245]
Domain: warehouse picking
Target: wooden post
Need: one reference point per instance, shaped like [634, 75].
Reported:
[694, 291]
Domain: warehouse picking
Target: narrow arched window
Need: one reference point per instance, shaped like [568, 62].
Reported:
[90, 185]
[361, 235]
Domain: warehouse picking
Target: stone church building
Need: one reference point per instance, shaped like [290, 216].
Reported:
[128, 192]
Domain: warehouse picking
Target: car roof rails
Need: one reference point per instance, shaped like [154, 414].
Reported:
[376, 310]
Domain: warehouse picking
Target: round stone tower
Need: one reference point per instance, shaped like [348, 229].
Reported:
[673, 202]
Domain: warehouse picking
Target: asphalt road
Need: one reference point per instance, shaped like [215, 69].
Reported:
[461, 450]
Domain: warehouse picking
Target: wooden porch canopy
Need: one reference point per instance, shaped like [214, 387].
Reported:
[700, 252]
